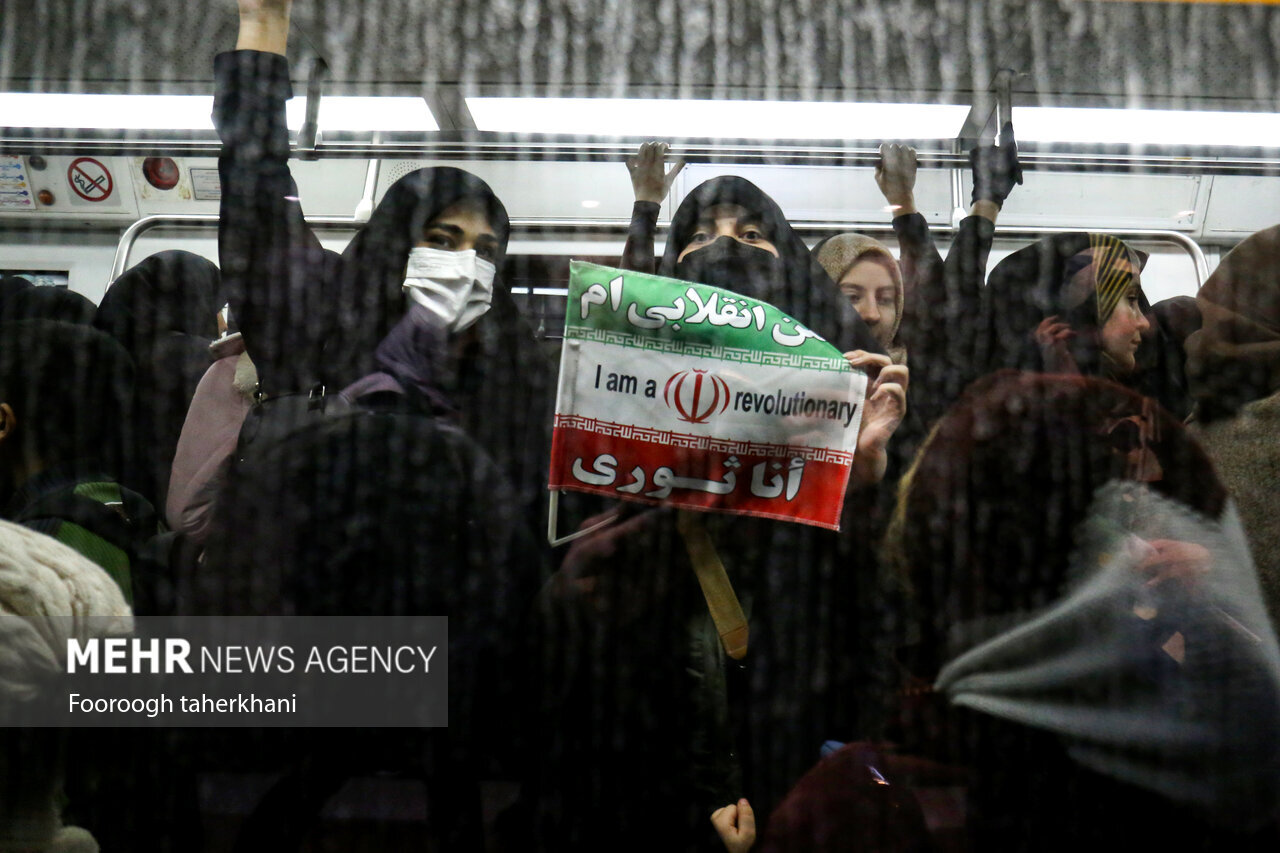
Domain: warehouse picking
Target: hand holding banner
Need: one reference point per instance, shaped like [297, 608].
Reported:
[682, 394]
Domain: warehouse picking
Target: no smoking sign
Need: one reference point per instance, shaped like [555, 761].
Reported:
[89, 179]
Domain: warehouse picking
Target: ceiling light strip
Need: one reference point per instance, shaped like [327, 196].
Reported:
[192, 112]
[1094, 126]
[675, 118]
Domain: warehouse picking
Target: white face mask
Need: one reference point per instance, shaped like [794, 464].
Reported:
[455, 286]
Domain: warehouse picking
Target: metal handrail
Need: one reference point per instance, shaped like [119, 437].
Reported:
[198, 220]
[474, 145]
[146, 223]
[1191, 247]
[1154, 235]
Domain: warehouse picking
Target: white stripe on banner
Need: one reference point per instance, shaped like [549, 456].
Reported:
[711, 397]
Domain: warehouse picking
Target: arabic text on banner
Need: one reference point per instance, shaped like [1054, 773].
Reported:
[682, 394]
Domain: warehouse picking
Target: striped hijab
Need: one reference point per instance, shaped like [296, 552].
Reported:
[1111, 280]
[1113, 264]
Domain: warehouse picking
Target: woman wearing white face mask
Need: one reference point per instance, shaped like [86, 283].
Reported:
[457, 287]
[409, 316]
[414, 286]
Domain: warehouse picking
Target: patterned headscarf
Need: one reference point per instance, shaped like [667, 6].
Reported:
[1109, 281]
[838, 255]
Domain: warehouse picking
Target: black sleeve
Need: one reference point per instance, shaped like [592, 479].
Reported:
[943, 353]
[638, 253]
[261, 232]
[922, 273]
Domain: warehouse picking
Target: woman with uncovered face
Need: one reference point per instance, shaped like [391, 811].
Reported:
[1071, 303]
[1112, 276]
[919, 307]
[868, 275]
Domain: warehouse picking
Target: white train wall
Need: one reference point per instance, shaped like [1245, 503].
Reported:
[68, 222]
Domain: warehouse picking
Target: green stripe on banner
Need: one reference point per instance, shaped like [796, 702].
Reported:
[649, 312]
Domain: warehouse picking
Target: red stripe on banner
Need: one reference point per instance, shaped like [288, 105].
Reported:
[700, 442]
[703, 479]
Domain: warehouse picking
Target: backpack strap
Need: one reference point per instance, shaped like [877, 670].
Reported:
[100, 519]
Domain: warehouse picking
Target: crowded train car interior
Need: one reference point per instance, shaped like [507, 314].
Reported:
[567, 425]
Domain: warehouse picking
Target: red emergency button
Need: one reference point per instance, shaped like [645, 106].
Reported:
[161, 172]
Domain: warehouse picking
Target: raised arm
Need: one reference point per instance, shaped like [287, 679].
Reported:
[941, 318]
[260, 226]
[651, 182]
[995, 173]
[920, 260]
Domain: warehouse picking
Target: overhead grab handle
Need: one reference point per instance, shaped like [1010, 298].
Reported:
[1002, 88]
[309, 135]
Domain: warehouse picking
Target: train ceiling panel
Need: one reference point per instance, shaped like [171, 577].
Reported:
[1081, 200]
[330, 187]
[827, 194]
[1240, 205]
[550, 192]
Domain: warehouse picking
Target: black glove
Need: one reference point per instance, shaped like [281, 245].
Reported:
[995, 170]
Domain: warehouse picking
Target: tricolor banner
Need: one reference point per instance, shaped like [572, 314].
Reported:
[682, 394]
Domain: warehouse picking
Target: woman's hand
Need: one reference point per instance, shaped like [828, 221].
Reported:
[1184, 563]
[736, 826]
[896, 177]
[264, 25]
[882, 413]
[648, 178]
[1053, 337]
[1172, 563]
[996, 170]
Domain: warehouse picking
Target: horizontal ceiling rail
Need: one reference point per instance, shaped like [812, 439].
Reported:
[488, 146]
[343, 223]
[201, 220]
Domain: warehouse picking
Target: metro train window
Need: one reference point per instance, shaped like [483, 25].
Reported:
[590, 425]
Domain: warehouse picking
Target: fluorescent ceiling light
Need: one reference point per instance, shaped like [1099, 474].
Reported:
[673, 119]
[338, 112]
[191, 112]
[106, 112]
[1145, 127]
